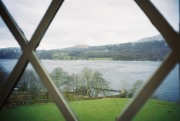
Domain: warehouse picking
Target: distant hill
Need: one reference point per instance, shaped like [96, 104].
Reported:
[80, 46]
[151, 48]
[10, 53]
[153, 38]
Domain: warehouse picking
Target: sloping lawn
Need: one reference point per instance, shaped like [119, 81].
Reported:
[93, 110]
[36, 112]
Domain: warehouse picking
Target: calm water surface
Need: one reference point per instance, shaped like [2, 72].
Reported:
[117, 73]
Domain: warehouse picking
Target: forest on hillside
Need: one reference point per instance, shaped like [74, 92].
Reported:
[142, 51]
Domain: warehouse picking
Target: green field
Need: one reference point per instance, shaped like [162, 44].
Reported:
[93, 110]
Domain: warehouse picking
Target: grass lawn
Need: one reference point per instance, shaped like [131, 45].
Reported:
[93, 110]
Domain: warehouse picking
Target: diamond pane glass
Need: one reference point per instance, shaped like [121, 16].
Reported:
[163, 105]
[170, 11]
[9, 52]
[95, 64]
[84, 23]
[30, 100]
[100, 68]
[27, 14]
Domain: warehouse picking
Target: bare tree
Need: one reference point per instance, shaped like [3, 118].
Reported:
[3, 76]
[124, 91]
[34, 85]
[30, 83]
[60, 77]
[75, 82]
[44, 91]
[87, 75]
[1, 73]
[137, 85]
[94, 82]
[99, 84]
[24, 82]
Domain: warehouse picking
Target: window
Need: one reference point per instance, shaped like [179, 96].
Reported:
[28, 55]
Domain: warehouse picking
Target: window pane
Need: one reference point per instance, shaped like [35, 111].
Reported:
[27, 14]
[99, 53]
[30, 100]
[9, 52]
[99, 64]
[170, 11]
[94, 23]
[163, 105]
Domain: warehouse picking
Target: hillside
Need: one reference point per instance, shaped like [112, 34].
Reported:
[151, 48]
[10, 53]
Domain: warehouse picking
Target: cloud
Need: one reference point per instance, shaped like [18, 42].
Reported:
[93, 22]
[27, 14]
[6, 38]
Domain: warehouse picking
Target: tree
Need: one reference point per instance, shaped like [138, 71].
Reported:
[99, 83]
[87, 75]
[74, 82]
[44, 91]
[60, 77]
[3, 76]
[30, 82]
[124, 92]
[34, 87]
[137, 85]
[94, 82]
[24, 82]
[81, 90]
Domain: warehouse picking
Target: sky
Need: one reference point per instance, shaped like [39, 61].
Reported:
[89, 22]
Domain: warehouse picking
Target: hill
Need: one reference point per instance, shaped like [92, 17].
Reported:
[151, 48]
[80, 46]
[10, 53]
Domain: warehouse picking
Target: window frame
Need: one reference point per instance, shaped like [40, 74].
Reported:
[28, 55]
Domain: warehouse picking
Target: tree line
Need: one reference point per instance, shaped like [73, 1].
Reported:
[88, 83]
[152, 50]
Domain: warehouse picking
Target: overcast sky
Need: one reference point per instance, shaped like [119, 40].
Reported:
[91, 22]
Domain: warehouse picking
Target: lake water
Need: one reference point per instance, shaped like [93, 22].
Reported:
[117, 73]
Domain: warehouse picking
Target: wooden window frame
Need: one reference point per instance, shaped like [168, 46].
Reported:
[28, 55]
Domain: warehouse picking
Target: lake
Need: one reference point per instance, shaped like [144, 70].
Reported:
[117, 73]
